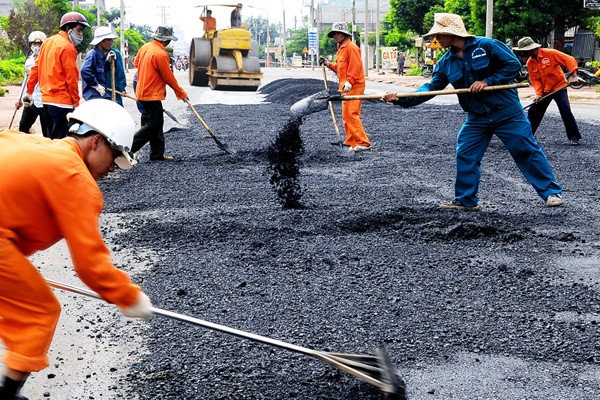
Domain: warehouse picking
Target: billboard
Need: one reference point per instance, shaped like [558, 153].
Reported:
[593, 4]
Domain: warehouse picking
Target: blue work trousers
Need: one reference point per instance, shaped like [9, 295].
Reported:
[515, 132]
[537, 111]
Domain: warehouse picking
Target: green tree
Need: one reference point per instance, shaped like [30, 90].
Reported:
[34, 15]
[298, 41]
[144, 30]
[409, 15]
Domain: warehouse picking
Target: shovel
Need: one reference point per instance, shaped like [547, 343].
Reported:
[169, 113]
[375, 368]
[319, 101]
[220, 144]
[331, 111]
[23, 86]
[112, 56]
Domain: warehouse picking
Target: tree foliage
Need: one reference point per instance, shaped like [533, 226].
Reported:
[34, 15]
[512, 18]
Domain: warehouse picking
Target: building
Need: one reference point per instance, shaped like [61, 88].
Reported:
[5, 7]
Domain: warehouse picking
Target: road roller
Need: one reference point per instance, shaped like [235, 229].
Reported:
[225, 59]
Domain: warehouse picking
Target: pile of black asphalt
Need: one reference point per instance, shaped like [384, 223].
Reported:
[501, 303]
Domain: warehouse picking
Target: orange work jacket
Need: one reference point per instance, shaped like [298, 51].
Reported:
[56, 71]
[154, 73]
[46, 194]
[348, 64]
[210, 23]
[545, 72]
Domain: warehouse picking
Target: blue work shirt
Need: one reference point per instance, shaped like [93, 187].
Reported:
[95, 70]
[483, 59]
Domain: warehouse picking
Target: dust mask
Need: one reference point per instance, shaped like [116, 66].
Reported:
[75, 38]
[35, 50]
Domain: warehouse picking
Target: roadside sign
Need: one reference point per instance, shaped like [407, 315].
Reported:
[305, 50]
[313, 41]
[591, 4]
[435, 44]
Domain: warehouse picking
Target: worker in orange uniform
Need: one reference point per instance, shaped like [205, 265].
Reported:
[545, 68]
[154, 73]
[210, 23]
[48, 192]
[57, 73]
[351, 77]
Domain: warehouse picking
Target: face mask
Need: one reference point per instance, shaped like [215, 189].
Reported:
[35, 50]
[74, 37]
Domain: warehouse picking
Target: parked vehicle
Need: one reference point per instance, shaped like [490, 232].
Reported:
[523, 75]
[585, 77]
[426, 70]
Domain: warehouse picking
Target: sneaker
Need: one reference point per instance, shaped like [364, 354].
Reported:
[457, 205]
[357, 149]
[575, 142]
[554, 200]
[338, 143]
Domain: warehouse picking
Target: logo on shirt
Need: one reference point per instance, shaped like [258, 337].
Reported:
[545, 61]
[480, 59]
[478, 53]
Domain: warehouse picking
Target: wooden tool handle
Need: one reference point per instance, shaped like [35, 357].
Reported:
[433, 92]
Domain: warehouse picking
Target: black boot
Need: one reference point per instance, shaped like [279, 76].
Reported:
[11, 389]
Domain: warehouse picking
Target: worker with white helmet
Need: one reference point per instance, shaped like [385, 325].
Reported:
[35, 108]
[48, 192]
[57, 72]
[96, 70]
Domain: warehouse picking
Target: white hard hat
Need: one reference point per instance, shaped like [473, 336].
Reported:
[108, 119]
[101, 33]
[37, 37]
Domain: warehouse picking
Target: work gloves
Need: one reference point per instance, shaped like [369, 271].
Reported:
[27, 100]
[322, 60]
[140, 309]
[347, 86]
[100, 89]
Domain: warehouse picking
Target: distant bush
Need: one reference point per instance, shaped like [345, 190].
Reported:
[12, 71]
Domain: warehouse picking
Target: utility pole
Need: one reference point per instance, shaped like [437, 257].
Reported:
[122, 33]
[354, 21]
[284, 37]
[489, 18]
[366, 40]
[377, 48]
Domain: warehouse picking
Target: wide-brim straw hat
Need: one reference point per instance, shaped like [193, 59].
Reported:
[164, 34]
[526, 44]
[101, 33]
[448, 24]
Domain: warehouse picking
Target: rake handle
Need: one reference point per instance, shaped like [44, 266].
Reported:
[122, 94]
[195, 321]
[431, 93]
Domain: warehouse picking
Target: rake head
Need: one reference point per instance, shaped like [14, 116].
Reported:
[376, 369]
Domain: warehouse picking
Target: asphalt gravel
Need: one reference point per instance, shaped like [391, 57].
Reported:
[496, 304]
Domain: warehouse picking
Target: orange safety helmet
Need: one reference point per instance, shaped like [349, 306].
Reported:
[75, 17]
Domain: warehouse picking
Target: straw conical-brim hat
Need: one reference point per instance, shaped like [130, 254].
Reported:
[448, 24]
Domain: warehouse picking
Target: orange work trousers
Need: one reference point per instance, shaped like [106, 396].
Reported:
[355, 131]
[29, 310]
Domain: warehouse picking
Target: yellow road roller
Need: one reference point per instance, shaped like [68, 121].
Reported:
[225, 59]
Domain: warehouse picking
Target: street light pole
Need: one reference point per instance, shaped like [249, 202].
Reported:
[284, 36]
[122, 21]
[489, 18]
